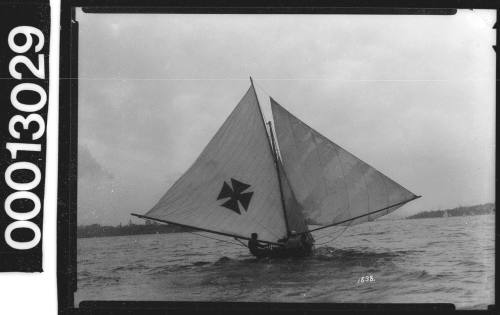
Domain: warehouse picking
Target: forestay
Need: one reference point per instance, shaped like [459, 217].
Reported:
[232, 187]
[331, 184]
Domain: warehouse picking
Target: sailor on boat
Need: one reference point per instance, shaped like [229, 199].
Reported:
[257, 248]
[298, 245]
[293, 241]
[294, 245]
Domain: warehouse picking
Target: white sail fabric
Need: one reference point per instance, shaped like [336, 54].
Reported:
[331, 184]
[232, 187]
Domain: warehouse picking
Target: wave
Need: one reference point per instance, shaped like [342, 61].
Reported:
[372, 233]
[223, 260]
[339, 257]
[327, 253]
[86, 278]
[424, 275]
[201, 263]
[470, 263]
[130, 267]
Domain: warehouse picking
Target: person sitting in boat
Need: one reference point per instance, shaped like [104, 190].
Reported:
[298, 245]
[257, 248]
[294, 245]
[293, 241]
[307, 243]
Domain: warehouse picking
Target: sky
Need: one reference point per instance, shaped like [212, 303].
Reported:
[413, 96]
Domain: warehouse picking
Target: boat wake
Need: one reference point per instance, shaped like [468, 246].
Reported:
[328, 253]
[336, 257]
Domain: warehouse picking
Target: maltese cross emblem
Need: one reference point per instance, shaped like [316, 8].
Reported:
[237, 196]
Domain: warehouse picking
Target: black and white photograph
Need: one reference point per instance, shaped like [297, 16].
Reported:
[286, 158]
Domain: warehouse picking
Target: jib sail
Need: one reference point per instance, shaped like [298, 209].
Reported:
[293, 209]
[232, 187]
[332, 185]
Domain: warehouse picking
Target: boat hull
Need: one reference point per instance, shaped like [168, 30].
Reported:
[280, 252]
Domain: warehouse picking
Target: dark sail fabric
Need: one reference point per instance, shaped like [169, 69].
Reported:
[331, 184]
[233, 186]
[295, 218]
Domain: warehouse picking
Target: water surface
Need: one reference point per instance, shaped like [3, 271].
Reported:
[439, 260]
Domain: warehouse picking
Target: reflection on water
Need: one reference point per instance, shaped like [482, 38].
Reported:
[445, 260]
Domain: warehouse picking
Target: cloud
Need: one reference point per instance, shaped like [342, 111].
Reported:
[411, 95]
[89, 168]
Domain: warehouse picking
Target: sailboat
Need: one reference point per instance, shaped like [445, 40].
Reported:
[275, 178]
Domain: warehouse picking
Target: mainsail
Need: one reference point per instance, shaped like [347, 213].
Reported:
[332, 185]
[232, 187]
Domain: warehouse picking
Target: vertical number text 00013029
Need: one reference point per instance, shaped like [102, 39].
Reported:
[32, 38]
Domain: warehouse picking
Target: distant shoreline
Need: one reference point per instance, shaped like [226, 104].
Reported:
[97, 230]
[487, 208]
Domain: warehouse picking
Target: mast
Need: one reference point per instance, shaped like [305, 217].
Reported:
[262, 115]
[274, 153]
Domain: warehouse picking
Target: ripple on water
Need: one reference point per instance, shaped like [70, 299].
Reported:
[419, 261]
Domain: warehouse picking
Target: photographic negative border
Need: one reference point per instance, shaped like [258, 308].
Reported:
[68, 120]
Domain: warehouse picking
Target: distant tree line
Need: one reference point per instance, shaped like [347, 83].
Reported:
[487, 208]
[150, 227]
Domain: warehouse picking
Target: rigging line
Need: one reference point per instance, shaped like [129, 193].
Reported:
[328, 242]
[327, 235]
[201, 229]
[241, 242]
[213, 238]
[333, 238]
[217, 239]
[363, 215]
